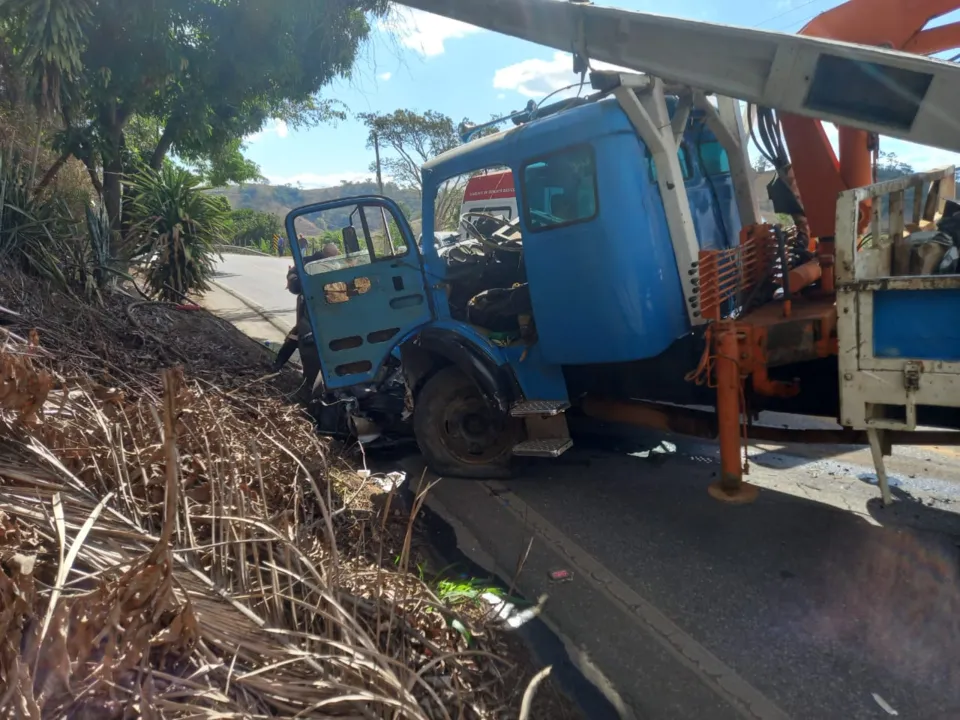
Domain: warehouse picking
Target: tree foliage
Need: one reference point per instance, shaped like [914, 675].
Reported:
[890, 166]
[225, 165]
[407, 140]
[762, 165]
[253, 228]
[47, 40]
[206, 72]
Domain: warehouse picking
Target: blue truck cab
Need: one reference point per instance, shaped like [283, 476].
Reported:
[494, 337]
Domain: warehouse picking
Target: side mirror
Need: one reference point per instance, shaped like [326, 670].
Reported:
[351, 243]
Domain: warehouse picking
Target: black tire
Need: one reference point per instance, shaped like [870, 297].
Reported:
[458, 432]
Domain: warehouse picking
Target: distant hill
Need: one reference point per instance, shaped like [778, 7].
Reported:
[281, 199]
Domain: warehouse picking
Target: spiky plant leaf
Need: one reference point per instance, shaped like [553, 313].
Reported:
[32, 226]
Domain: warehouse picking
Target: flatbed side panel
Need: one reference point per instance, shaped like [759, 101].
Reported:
[898, 339]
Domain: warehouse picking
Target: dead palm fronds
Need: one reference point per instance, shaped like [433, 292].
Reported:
[172, 550]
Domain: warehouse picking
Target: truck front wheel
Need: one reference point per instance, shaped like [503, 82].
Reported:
[459, 433]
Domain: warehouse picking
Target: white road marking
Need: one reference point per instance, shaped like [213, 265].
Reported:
[711, 671]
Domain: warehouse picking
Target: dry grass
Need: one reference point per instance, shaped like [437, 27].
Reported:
[171, 545]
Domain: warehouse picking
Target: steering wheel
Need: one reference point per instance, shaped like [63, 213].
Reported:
[471, 230]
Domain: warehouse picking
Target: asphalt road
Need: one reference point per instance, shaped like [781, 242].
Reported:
[814, 602]
[262, 280]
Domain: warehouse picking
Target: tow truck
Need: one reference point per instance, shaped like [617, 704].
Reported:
[637, 280]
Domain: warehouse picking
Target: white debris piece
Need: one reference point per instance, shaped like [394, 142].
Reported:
[884, 704]
[390, 481]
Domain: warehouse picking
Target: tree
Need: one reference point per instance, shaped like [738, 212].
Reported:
[761, 165]
[226, 165]
[409, 139]
[413, 139]
[251, 228]
[890, 167]
[208, 72]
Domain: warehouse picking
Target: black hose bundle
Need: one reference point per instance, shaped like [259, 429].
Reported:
[770, 144]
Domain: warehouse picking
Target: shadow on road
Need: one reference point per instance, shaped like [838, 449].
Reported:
[908, 511]
[247, 314]
[815, 606]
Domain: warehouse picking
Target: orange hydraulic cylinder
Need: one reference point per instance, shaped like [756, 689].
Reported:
[804, 275]
[856, 166]
[817, 172]
[728, 410]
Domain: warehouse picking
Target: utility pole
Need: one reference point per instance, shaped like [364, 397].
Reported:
[376, 149]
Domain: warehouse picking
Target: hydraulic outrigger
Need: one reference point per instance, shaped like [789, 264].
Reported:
[870, 89]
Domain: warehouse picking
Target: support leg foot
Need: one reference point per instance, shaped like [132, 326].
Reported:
[742, 495]
[876, 449]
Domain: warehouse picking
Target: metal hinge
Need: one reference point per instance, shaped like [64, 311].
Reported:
[911, 375]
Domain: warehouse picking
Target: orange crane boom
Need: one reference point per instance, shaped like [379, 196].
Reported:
[895, 24]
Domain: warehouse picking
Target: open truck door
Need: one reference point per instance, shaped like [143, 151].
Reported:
[362, 299]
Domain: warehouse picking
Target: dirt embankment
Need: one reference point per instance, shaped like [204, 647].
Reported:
[175, 540]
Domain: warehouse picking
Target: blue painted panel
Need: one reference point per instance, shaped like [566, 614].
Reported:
[916, 324]
[608, 290]
[397, 301]
[539, 379]
[476, 338]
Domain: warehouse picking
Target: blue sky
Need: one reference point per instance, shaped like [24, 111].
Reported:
[423, 62]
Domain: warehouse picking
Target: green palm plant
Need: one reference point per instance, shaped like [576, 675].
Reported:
[179, 225]
[32, 225]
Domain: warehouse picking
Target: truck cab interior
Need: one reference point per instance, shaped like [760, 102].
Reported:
[485, 274]
[485, 268]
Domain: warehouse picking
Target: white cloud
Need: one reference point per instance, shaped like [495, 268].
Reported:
[535, 78]
[425, 32]
[385, 76]
[274, 127]
[320, 180]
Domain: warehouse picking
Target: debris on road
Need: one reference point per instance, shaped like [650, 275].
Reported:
[884, 704]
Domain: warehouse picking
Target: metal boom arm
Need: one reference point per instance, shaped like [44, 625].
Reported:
[883, 91]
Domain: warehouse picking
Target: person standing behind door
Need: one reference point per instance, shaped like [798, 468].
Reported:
[301, 336]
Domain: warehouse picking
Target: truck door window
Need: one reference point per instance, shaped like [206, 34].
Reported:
[560, 189]
[686, 167]
[355, 235]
